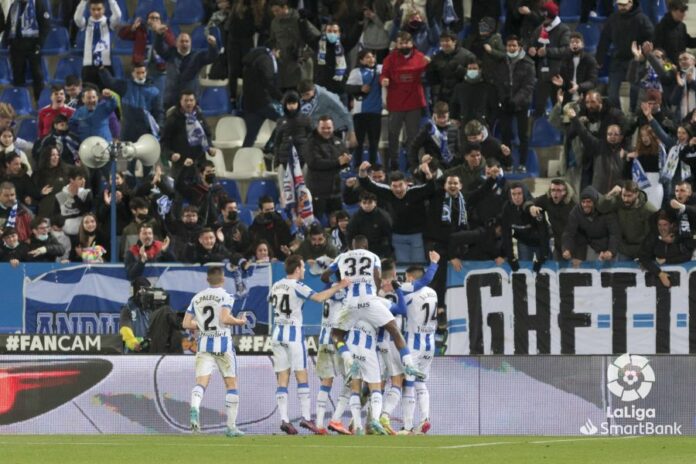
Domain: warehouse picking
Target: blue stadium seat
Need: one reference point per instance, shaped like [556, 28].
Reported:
[570, 11]
[544, 134]
[44, 98]
[19, 98]
[591, 32]
[57, 41]
[146, 6]
[214, 101]
[246, 214]
[117, 65]
[69, 64]
[187, 12]
[199, 40]
[259, 188]
[230, 187]
[5, 71]
[122, 4]
[29, 77]
[121, 47]
[28, 130]
[532, 165]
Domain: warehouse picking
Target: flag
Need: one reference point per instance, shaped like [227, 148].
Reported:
[296, 196]
[639, 176]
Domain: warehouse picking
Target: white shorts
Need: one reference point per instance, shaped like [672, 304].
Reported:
[369, 364]
[390, 360]
[371, 309]
[206, 362]
[329, 362]
[422, 359]
[289, 355]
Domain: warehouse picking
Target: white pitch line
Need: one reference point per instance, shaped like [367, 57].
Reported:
[232, 443]
[565, 440]
[476, 445]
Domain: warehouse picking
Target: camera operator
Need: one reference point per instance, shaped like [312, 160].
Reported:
[148, 323]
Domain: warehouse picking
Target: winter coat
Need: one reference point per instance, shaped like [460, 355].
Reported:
[323, 167]
[598, 231]
[53, 249]
[175, 140]
[425, 143]
[585, 76]
[620, 30]
[405, 91]
[671, 36]
[289, 131]
[556, 213]
[446, 70]
[260, 80]
[142, 37]
[291, 33]
[515, 82]
[474, 99]
[376, 226]
[634, 221]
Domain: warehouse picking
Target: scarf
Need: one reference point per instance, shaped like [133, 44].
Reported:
[307, 107]
[638, 175]
[150, 52]
[97, 34]
[340, 57]
[194, 132]
[651, 79]
[12, 216]
[447, 210]
[449, 16]
[164, 205]
[29, 24]
[688, 100]
[671, 163]
[440, 139]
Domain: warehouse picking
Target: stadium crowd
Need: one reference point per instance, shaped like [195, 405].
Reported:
[464, 99]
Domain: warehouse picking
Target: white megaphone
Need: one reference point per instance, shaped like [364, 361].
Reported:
[146, 149]
[94, 152]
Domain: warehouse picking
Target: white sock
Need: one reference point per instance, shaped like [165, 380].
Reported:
[391, 400]
[305, 402]
[407, 360]
[232, 406]
[423, 400]
[376, 404]
[197, 396]
[409, 405]
[322, 402]
[342, 403]
[355, 410]
[282, 400]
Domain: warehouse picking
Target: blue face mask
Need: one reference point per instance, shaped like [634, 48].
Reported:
[472, 73]
[332, 37]
[42, 237]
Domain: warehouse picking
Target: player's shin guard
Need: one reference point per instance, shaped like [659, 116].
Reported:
[342, 403]
[376, 404]
[282, 400]
[355, 408]
[197, 396]
[322, 401]
[391, 400]
[423, 400]
[232, 406]
[305, 402]
[409, 405]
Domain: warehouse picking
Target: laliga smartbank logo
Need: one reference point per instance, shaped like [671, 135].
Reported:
[630, 378]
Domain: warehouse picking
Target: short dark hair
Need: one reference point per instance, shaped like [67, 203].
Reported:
[96, 2]
[677, 5]
[72, 80]
[396, 176]
[189, 209]
[516, 185]
[446, 34]
[341, 214]
[57, 88]
[205, 230]
[404, 36]
[58, 220]
[292, 263]
[363, 53]
[513, 38]
[492, 162]
[145, 225]
[325, 117]
[470, 147]
[76, 171]
[37, 221]
[11, 156]
[388, 264]
[368, 196]
[138, 203]
[305, 85]
[316, 229]
[440, 108]
[415, 270]
[265, 199]
[577, 35]
[279, 3]
[205, 164]
[215, 270]
[187, 92]
[360, 241]
[631, 186]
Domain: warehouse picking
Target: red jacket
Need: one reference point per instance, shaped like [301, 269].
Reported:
[152, 251]
[405, 91]
[139, 36]
[46, 117]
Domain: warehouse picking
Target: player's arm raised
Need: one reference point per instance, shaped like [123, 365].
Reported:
[226, 317]
[329, 292]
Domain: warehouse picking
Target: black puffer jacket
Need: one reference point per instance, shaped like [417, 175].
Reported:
[620, 30]
[260, 83]
[599, 231]
[376, 226]
[292, 129]
[446, 70]
[323, 167]
[515, 83]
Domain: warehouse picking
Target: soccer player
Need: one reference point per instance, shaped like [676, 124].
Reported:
[287, 297]
[210, 312]
[362, 268]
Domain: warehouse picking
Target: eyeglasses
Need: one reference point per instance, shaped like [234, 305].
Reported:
[153, 17]
[613, 134]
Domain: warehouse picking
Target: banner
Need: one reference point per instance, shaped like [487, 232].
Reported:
[60, 344]
[590, 310]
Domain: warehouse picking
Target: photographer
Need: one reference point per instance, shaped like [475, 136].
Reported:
[148, 324]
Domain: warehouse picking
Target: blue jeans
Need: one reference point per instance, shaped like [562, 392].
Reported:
[408, 248]
[526, 252]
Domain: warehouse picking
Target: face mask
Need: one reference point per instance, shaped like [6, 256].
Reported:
[686, 69]
[405, 51]
[415, 24]
[210, 178]
[232, 216]
[139, 81]
[472, 73]
[12, 247]
[512, 56]
[332, 37]
[268, 216]
[42, 237]
[141, 217]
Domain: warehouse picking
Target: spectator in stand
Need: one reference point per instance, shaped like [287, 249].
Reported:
[57, 223]
[186, 137]
[477, 133]
[665, 245]
[423, 31]
[91, 245]
[7, 148]
[487, 195]
[684, 96]
[140, 212]
[234, 232]
[199, 186]
[16, 173]
[600, 114]
[48, 113]
[439, 140]
[531, 17]
[339, 231]
[331, 69]
[183, 232]
[623, 27]
[634, 215]
[482, 243]
[515, 90]
[269, 226]
[261, 253]
[483, 8]
[550, 43]
[13, 250]
[49, 178]
[448, 66]
[589, 235]
[644, 164]
[470, 170]
[260, 90]
[206, 249]
[374, 223]
[243, 21]
[316, 245]
[74, 200]
[670, 33]
[183, 64]
[26, 28]
[474, 98]
[406, 208]
[488, 46]
[73, 91]
[93, 117]
[363, 86]
[683, 207]
[144, 53]
[292, 130]
[318, 102]
[374, 34]
[43, 247]
[556, 204]
[123, 196]
[352, 189]
[97, 51]
[325, 156]
[531, 233]
[146, 250]
[401, 76]
[13, 213]
[653, 77]
[578, 70]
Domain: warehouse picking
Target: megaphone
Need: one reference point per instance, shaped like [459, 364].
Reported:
[94, 152]
[146, 149]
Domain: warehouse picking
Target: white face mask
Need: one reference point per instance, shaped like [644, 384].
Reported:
[512, 56]
[139, 81]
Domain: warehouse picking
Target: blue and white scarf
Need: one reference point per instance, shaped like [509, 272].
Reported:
[12, 216]
[29, 24]
[341, 66]
[446, 217]
[669, 167]
[164, 205]
[97, 34]
[449, 16]
[440, 139]
[638, 175]
[195, 133]
[307, 107]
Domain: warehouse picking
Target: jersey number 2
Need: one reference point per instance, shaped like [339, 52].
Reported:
[209, 313]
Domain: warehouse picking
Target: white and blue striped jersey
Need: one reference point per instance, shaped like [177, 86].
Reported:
[383, 337]
[359, 267]
[331, 307]
[287, 298]
[206, 308]
[421, 319]
[364, 335]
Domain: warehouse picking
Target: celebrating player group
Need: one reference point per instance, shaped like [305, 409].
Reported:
[361, 340]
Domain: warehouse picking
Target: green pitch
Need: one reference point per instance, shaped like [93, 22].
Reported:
[131, 449]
